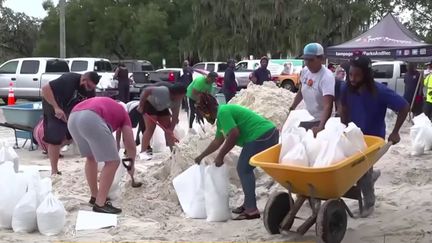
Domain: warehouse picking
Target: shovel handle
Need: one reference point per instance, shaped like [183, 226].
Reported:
[127, 166]
[171, 133]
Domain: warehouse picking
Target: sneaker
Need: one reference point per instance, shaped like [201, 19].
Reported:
[149, 151]
[367, 211]
[92, 200]
[107, 208]
[375, 175]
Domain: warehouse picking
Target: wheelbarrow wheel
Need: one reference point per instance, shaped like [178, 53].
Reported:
[276, 209]
[331, 221]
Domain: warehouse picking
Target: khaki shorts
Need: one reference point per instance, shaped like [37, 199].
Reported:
[93, 136]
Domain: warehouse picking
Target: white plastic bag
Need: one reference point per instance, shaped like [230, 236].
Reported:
[24, 213]
[12, 187]
[295, 118]
[44, 189]
[216, 184]
[7, 153]
[189, 187]
[158, 140]
[313, 147]
[331, 151]
[354, 135]
[179, 132]
[51, 216]
[418, 142]
[289, 138]
[115, 189]
[296, 156]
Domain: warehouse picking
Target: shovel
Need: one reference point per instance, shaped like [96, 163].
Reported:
[171, 133]
[127, 163]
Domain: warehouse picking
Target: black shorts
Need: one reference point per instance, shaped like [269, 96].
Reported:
[149, 109]
[55, 130]
[136, 117]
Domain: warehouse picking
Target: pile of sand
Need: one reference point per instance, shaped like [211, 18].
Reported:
[267, 100]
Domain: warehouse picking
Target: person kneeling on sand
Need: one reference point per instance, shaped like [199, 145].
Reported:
[364, 102]
[91, 125]
[237, 125]
[155, 105]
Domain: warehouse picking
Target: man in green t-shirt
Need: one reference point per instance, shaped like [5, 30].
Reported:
[200, 85]
[237, 125]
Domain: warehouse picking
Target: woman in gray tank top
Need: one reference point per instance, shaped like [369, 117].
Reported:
[160, 105]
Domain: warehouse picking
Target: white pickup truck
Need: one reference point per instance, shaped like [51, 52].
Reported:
[390, 73]
[28, 75]
[102, 66]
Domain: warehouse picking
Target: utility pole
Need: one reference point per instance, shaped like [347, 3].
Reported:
[62, 6]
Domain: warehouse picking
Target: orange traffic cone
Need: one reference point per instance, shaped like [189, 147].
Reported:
[11, 95]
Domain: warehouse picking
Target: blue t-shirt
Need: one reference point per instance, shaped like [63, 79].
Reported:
[368, 110]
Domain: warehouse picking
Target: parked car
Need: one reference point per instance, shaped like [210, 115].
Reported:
[390, 73]
[101, 65]
[142, 79]
[290, 82]
[28, 75]
[218, 67]
[134, 66]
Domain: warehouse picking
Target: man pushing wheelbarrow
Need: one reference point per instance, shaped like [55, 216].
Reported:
[364, 102]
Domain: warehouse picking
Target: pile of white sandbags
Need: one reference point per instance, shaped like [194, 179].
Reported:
[421, 135]
[335, 143]
[203, 192]
[27, 203]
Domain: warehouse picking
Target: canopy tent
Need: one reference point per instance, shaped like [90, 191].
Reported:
[388, 39]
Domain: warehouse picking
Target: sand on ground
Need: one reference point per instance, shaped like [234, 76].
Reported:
[403, 210]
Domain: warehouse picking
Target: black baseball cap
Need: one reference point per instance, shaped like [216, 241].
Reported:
[362, 62]
[212, 75]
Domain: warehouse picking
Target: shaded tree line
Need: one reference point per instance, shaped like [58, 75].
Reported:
[199, 29]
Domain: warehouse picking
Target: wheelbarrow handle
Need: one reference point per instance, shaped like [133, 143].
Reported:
[383, 150]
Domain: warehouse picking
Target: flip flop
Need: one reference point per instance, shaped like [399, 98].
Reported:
[238, 210]
[245, 216]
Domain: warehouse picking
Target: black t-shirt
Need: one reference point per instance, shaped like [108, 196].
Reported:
[262, 75]
[230, 84]
[67, 92]
[186, 78]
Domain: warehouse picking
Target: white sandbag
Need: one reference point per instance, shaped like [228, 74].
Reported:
[189, 187]
[428, 137]
[289, 138]
[295, 118]
[312, 145]
[12, 187]
[418, 142]
[355, 136]
[179, 132]
[115, 189]
[7, 153]
[422, 119]
[296, 156]
[44, 189]
[24, 213]
[330, 137]
[51, 216]
[216, 184]
[158, 140]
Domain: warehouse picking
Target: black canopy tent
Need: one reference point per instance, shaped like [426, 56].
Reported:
[388, 39]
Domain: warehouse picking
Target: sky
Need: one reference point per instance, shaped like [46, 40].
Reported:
[30, 7]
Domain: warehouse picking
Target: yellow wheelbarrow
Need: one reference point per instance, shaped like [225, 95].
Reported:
[327, 184]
